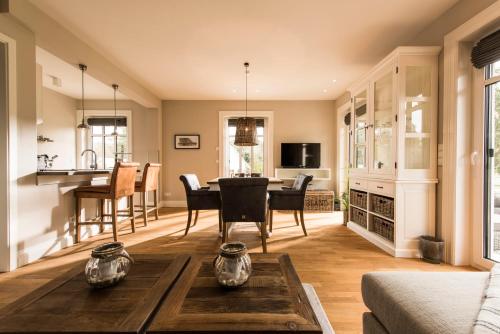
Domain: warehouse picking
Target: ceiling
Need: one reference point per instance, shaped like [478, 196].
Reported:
[195, 49]
[67, 79]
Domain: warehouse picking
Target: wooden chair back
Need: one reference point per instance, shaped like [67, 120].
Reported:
[123, 179]
[150, 177]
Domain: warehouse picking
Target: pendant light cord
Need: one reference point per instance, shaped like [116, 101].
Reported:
[83, 68]
[246, 89]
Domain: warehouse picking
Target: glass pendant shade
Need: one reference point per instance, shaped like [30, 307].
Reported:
[246, 132]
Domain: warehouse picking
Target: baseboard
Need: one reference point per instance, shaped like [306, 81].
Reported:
[173, 204]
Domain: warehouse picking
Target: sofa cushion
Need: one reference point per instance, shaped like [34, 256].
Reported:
[420, 302]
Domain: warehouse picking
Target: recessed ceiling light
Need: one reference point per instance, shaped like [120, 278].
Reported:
[334, 80]
[257, 90]
[324, 91]
[234, 90]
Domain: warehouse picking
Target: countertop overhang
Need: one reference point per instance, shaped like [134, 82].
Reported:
[73, 171]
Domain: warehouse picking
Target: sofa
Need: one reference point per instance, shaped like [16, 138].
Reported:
[422, 302]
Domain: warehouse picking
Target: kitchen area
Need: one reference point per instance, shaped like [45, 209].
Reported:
[82, 127]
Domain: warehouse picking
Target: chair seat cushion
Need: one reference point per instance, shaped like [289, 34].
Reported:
[94, 189]
[286, 200]
[204, 200]
[424, 303]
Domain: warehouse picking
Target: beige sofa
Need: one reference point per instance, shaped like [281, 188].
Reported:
[422, 302]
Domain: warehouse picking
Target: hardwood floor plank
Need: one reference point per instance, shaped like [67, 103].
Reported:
[331, 258]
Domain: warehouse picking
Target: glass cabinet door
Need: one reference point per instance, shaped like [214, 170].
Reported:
[418, 110]
[360, 130]
[382, 124]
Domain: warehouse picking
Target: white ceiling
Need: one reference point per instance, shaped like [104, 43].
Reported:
[195, 49]
[70, 79]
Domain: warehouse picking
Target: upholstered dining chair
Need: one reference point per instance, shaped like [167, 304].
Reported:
[148, 183]
[199, 198]
[122, 185]
[244, 200]
[290, 198]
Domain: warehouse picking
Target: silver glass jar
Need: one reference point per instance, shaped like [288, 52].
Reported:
[232, 266]
[108, 265]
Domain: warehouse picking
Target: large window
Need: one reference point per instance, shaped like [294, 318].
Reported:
[492, 162]
[244, 159]
[108, 148]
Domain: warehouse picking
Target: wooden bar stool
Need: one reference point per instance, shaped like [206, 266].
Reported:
[122, 185]
[149, 182]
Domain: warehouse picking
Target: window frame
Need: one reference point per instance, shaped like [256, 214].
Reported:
[83, 142]
[268, 117]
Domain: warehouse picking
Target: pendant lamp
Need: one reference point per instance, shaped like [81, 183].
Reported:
[246, 127]
[83, 125]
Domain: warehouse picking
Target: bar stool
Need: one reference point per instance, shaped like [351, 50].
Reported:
[122, 185]
[149, 182]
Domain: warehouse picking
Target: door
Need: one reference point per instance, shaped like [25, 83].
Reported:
[360, 126]
[382, 139]
[344, 117]
[491, 158]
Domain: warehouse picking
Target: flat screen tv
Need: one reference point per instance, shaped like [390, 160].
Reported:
[300, 155]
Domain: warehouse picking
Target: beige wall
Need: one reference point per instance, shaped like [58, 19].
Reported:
[294, 121]
[59, 119]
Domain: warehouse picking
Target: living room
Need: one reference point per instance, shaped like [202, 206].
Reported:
[251, 167]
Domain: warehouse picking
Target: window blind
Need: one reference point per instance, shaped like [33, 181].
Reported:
[486, 51]
[107, 121]
[259, 121]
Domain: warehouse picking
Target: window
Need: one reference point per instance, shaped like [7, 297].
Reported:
[492, 162]
[108, 148]
[244, 159]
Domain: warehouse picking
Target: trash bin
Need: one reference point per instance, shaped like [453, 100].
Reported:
[431, 249]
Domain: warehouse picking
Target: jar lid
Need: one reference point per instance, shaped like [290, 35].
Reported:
[107, 249]
[233, 249]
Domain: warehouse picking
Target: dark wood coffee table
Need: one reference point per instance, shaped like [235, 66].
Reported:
[67, 304]
[272, 300]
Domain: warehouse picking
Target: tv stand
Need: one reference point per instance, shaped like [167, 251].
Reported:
[319, 174]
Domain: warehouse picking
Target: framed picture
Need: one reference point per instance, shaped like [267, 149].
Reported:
[187, 142]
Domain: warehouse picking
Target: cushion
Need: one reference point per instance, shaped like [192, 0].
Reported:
[94, 189]
[420, 302]
[488, 318]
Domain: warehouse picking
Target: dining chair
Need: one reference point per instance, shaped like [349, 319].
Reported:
[199, 198]
[122, 185]
[148, 183]
[244, 200]
[290, 198]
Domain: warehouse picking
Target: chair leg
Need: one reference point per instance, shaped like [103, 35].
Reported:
[155, 198]
[101, 212]
[144, 208]
[78, 208]
[195, 217]
[271, 221]
[114, 216]
[302, 221]
[224, 232]
[190, 215]
[296, 217]
[263, 236]
[220, 220]
[132, 214]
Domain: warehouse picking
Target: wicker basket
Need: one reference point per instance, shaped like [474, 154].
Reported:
[383, 228]
[382, 205]
[319, 201]
[358, 217]
[358, 198]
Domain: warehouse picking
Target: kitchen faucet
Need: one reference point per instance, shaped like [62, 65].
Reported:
[93, 165]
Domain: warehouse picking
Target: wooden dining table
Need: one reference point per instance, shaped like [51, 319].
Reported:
[274, 184]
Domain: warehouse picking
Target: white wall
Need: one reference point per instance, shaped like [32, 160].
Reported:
[59, 119]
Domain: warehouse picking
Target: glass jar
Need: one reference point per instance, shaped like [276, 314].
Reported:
[232, 266]
[108, 265]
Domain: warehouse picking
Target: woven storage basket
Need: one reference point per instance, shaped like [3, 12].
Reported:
[382, 205]
[358, 198]
[319, 201]
[383, 228]
[358, 217]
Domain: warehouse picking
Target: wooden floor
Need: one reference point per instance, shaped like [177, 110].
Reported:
[331, 258]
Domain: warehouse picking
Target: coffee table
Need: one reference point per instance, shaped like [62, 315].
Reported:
[67, 304]
[272, 300]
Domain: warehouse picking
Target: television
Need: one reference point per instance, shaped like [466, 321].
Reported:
[300, 155]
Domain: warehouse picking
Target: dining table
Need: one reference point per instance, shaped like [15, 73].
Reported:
[274, 184]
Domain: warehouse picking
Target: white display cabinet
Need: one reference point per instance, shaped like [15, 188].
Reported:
[394, 144]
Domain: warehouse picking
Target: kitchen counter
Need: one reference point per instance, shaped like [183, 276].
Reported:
[73, 171]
